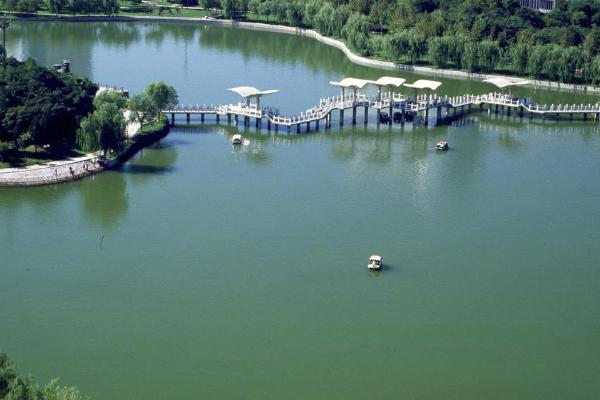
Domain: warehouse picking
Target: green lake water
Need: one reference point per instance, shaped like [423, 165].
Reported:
[202, 271]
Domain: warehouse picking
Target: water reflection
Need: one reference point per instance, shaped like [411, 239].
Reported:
[104, 199]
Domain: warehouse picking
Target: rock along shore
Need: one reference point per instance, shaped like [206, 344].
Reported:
[385, 65]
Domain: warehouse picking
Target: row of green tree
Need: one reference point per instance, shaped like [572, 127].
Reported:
[15, 386]
[474, 35]
[106, 7]
[104, 129]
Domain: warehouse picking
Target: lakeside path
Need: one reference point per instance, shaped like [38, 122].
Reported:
[369, 62]
[59, 171]
[52, 172]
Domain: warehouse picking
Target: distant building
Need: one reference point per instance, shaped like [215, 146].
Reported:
[544, 6]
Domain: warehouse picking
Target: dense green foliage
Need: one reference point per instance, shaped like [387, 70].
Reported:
[16, 387]
[107, 7]
[146, 107]
[104, 129]
[473, 35]
[41, 107]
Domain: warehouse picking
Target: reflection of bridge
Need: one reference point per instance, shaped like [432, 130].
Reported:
[390, 103]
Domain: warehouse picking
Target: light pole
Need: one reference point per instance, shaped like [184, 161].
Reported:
[4, 23]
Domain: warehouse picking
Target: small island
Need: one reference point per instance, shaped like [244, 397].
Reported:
[56, 127]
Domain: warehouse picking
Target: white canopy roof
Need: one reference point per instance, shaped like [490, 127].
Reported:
[424, 84]
[249, 91]
[389, 81]
[506, 82]
[351, 83]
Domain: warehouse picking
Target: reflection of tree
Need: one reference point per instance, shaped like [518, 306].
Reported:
[104, 198]
[151, 161]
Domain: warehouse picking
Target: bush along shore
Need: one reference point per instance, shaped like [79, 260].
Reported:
[473, 36]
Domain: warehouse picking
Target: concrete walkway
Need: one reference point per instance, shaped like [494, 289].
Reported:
[52, 172]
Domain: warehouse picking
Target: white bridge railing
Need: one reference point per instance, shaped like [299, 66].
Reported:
[396, 101]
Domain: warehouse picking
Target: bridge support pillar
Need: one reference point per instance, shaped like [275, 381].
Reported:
[172, 118]
[469, 108]
[237, 120]
[496, 108]
[297, 128]
[187, 117]
[378, 116]
[218, 117]
[438, 112]
[276, 127]
[392, 114]
[508, 111]
[268, 124]
[229, 118]
[521, 111]
[354, 115]
[585, 116]
[402, 117]
[308, 126]
[246, 121]
[366, 115]
[570, 116]
[201, 118]
[317, 124]
[427, 116]
[289, 128]
[342, 117]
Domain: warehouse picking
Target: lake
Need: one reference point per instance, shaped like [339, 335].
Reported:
[199, 270]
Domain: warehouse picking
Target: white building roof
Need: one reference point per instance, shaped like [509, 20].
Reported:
[424, 84]
[505, 82]
[249, 91]
[351, 83]
[389, 81]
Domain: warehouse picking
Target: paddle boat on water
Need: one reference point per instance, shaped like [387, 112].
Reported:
[375, 262]
[236, 139]
[441, 145]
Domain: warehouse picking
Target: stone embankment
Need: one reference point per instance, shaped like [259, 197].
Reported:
[52, 172]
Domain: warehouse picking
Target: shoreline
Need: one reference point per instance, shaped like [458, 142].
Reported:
[72, 169]
[352, 57]
[52, 172]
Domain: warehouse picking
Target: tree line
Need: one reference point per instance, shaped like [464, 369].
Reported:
[106, 7]
[473, 35]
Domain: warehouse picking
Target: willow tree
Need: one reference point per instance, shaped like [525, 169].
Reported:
[103, 130]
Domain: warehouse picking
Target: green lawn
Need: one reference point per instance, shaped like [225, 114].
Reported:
[32, 157]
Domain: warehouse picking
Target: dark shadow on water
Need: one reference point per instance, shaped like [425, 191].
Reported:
[145, 169]
[384, 270]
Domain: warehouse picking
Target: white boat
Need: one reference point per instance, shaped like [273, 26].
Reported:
[236, 139]
[441, 145]
[375, 262]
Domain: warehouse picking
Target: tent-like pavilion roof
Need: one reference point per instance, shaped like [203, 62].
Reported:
[424, 84]
[351, 83]
[249, 91]
[389, 81]
[506, 82]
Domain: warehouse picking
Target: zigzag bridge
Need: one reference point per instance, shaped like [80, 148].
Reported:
[389, 107]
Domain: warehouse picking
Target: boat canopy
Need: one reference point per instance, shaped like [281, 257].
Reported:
[375, 258]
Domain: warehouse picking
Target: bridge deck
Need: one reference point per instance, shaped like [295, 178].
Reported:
[388, 101]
